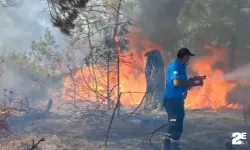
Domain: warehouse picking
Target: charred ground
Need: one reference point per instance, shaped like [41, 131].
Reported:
[204, 129]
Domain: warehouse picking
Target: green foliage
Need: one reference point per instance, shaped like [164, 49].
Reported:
[205, 13]
[64, 13]
[29, 73]
[38, 63]
[44, 52]
[28, 67]
[214, 19]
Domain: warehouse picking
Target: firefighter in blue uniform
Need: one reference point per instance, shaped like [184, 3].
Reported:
[177, 85]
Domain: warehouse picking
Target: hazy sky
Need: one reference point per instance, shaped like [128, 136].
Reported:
[22, 24]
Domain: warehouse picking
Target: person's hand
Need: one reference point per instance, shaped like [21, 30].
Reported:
[198, 83]
[191, 82]
[195, 82]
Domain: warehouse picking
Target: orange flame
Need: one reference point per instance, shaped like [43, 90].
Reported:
[133, 83]
[213, 94]
[132, 75]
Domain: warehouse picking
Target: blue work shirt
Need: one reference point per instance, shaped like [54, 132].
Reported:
[175, 70]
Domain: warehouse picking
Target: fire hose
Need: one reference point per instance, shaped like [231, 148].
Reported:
[153, 133]
[165, 125]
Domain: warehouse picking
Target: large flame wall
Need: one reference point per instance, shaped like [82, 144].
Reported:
[132, 75]
[214, 92]
[133, 84]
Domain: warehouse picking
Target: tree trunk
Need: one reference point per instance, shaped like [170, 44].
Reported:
[108, 80]
[117, 56]
[154, 73]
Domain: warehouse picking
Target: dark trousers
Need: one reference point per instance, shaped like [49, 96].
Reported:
[176, 114]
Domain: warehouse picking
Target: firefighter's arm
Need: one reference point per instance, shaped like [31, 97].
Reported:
[178, 78]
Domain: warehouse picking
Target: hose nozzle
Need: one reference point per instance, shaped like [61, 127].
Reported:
[200, 77]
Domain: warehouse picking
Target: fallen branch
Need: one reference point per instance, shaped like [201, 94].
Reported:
[34, 146]
[146, 93]
[142, 100]
[138, 105]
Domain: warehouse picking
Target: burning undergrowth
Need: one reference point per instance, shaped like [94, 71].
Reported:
[133, 83]
[132, 77]
[214, 92]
